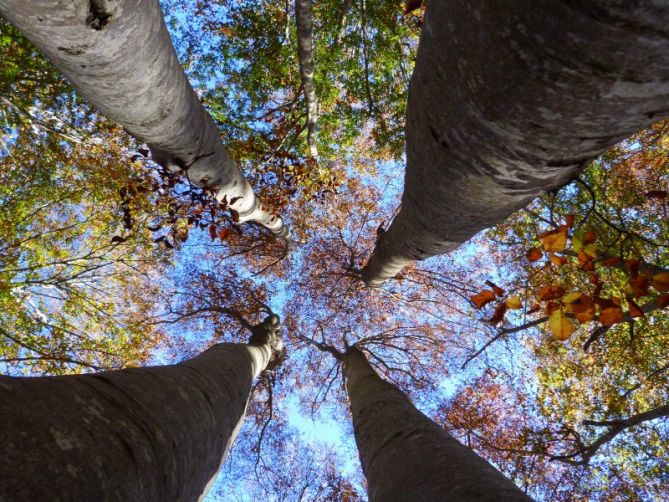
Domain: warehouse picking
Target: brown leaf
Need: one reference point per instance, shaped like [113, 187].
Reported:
[483, 298]
[213, 232]
[639, 285]
[632, 267]
[499, 292]
[551, 307]
[498, 314]
[612, 261]
[635, 310]
[552, 292]
[662, 301]
[534, 254]
[661, 282]
[610, 316]
[578, 302]
[589, 237]
[569, 220]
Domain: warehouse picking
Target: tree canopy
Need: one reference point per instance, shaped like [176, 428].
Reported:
[540, 343]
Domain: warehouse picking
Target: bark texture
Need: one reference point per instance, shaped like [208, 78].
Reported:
[510, 100]
[149, 434]
[305, 55]
[119, 56]
[405, 455]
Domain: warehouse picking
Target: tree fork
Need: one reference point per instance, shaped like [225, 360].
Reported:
[119, 56]
[152, 434]
[510, 100]
[407, 456]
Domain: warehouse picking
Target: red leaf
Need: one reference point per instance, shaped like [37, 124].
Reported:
[496, 289]
[498, 314]
[534, 254]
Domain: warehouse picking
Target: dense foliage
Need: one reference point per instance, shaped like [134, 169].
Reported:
[540, 343]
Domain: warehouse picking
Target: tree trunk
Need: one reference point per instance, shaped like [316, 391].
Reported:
[510, 100]
[119, 56]
[150, 434]
[405, 455]
[305, 55]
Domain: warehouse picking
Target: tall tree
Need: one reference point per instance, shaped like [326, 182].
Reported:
[511, 100]
[158, 433]
[119, 57]
[305, 54]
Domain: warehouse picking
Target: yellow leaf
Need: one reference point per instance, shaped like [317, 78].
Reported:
[513, 302]
[590, 250]
[560, 325]
[555, 240]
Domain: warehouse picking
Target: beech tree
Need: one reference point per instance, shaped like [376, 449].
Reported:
[119, 57]
[510, 101]
[157, 433]
[559, 421]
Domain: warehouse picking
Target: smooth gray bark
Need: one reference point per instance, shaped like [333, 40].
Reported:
[119, 56]
[510, 100]
[149, 434]
[305, 55]
[408, 457]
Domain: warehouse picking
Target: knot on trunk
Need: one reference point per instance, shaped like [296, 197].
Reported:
[268, 333]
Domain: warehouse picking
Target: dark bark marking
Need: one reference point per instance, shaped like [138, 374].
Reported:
[75, 50]
[98, 17]
[439, 140]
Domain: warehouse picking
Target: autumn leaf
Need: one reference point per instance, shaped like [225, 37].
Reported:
[483, 298]
[534, 308]
[639, 285]
[589, 237]
[556, 260]
[635, 310]
[213, 233]
[496, 289]
[513, 302]
[632, 267]
[662, 301]
[569, 220]
[611, 315]
[551, 307]
[578, 302]
[534, 254]
[498, 314]
[560, 325]
[223, 233]
[661, 282]
[612, 261]
[551, 292]
[555, 240]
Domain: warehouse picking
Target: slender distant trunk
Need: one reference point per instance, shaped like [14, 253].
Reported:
[305, 55]
[405, 455]
[510, 100]
[149, 434]
[119, 56]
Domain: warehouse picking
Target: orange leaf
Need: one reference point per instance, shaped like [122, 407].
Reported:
[555, 240]
[483, 298]
[610, 316]
[635, 310]
[551, 292]
[589, 237]
[556, 260]
[498, 314]
[534, 254]
[496, 289]
[612, 261]
[593, 278]
[569, 220]
[223, 233]
[662, 301]
[661, 282]
[534, 308]
[551, 307]
[578, 303]
[585, 316]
